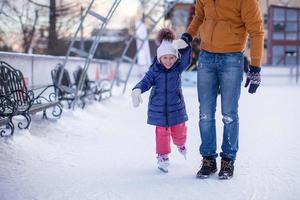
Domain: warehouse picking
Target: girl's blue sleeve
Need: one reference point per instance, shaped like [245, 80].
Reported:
[147, 82]
[186, 57]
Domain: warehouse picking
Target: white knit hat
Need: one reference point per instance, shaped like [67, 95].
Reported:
[166, 48]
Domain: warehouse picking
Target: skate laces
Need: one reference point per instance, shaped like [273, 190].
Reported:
[207, 163]
[226, 165]
[182, 149]
[162, 158]
[163, 161]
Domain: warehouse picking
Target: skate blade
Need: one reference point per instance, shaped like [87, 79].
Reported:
[202, 176]
[163, 170]
[225, 177]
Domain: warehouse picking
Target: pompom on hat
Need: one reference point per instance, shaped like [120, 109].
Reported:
[164, 38]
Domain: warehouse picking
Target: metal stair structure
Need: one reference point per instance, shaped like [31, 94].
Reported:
[104, 20]
[153, 21]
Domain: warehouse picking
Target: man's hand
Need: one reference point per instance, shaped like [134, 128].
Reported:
[253, 79]
[136, 97]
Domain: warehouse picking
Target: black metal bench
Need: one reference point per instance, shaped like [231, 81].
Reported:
[90, 88]
[66, 90]
[42, 103]
[7, 125]
[26, 103]
[7, 109]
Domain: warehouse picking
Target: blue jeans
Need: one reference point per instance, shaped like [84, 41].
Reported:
[219, 72]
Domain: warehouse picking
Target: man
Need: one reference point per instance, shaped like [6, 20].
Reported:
[223, 26]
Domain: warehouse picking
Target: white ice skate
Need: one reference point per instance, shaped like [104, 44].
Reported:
[163, 163]
[182, 150]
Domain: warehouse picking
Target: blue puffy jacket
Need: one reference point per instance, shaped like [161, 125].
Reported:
[166, 105]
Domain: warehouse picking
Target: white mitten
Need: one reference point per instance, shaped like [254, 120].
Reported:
[179, 44]
[136, 96]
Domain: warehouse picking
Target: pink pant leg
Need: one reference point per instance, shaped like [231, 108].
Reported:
[162, 140]
[178, 133]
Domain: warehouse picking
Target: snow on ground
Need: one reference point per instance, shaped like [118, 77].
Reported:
[107, 151]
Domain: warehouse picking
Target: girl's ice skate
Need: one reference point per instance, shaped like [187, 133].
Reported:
[182, 150]
[163, 163]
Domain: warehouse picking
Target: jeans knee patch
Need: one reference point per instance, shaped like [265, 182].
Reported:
[227, 119]
[203, 116]
[206, 117]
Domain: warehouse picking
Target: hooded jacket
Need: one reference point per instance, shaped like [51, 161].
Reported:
[166, 105]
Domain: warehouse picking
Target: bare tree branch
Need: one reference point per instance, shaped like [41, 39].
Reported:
[38, 4]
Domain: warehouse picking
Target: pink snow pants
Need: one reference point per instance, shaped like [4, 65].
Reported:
[178, 134]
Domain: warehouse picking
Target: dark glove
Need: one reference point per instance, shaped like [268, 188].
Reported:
[187, 38]
[253, 78]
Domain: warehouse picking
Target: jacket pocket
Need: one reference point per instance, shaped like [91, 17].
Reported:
[224, 35]
[201, 30]
[240, 32]
[206, 30]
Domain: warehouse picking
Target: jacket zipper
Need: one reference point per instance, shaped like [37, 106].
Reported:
[166, 98]
[215, 23]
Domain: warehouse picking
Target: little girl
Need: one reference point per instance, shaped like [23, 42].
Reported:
[166, 108]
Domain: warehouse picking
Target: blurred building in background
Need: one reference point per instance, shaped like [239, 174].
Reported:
[283, 35]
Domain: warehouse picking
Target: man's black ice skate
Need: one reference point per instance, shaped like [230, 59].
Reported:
[227, 169]
[209, 166]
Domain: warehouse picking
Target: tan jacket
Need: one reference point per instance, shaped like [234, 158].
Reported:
[223, 26]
